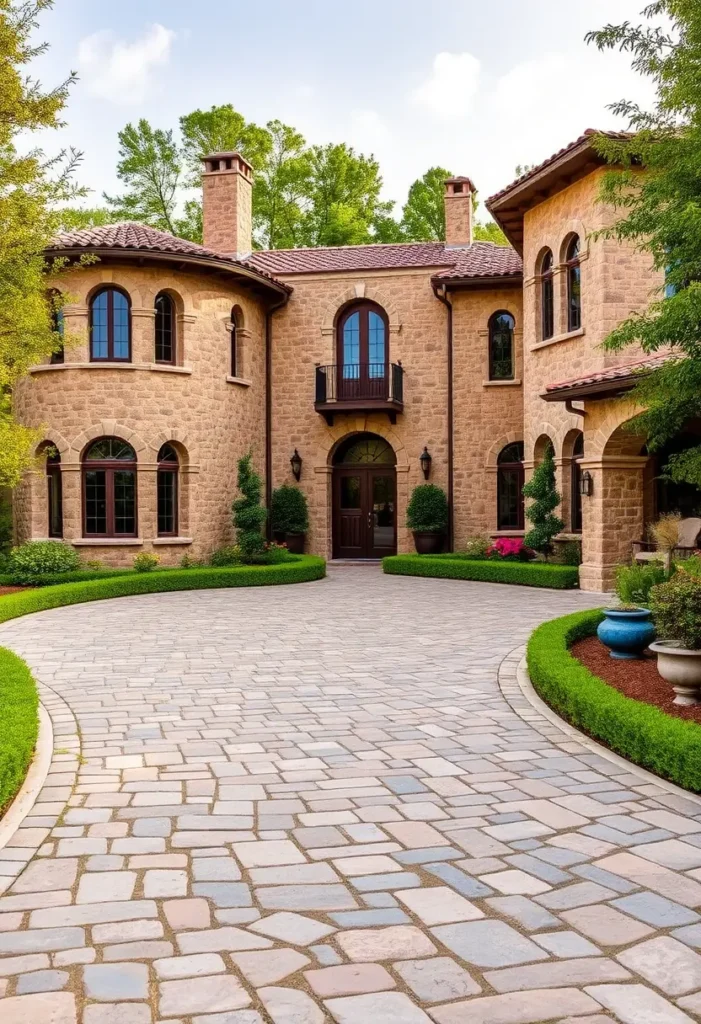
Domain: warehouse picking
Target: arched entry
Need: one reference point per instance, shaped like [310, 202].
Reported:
[364, 498]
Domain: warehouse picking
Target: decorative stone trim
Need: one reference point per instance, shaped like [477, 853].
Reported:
[354, 292]
[557, 338]
[151, 367]
[106, 542]
[163, 541]
[514, 383]
[242, 382]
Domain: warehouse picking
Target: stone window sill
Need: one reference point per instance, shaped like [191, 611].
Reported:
[106, 542]
[171, 540]
[556, 339]
[515, 383]
[508, 533]
[151, 367]
[241, 381]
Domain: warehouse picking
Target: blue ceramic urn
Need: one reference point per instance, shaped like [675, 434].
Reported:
[626, 633]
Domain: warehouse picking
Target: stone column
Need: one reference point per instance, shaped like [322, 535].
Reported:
[612, 516]
[72, 501]
[147, 501]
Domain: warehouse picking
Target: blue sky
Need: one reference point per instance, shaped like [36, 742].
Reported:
[474, 85]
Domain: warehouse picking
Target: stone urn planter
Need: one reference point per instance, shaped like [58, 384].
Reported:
[626, 632]
[295, 543]
[428, 542]
[682, 668]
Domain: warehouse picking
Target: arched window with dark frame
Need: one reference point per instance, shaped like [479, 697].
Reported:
[574, 284]
[54, 494]
[236, 319]
[165, 339]
[109, 489]
[510, 480]
[110, 326]
[501, 346]
[547, 297]
[57, 326]
[575, 482]
[363, 351]
[168, 466]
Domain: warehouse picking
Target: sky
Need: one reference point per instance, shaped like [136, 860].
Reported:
[475, 86]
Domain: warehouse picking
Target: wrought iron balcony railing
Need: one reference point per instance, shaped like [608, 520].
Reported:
[360, 386]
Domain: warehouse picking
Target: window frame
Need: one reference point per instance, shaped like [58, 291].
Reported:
[364, 308]
[233, 346]
[504, 470]
[492, 331]
[547, 296]
[575, 479]
[573, 266]
[109, 467]
[165, 297]
[58, 326]
[110, 357]
[170, 468]
[54, 490]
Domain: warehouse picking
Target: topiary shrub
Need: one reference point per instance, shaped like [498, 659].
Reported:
[41, 558]
[541, 488]
[288, 510]
[249, 514]
[145, 561]
[676, 610]
[228, 555]
[427, 511]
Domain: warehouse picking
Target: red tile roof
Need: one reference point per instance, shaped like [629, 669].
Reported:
[613, 373]
[482, 259]
[133, 236]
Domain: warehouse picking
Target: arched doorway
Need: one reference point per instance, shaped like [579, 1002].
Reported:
[364, 498]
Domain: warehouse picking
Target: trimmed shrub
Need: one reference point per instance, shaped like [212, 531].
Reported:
[456, 567]
[570, 553]
[676, 610]
[230, 554]
[643, 734]
[145, 561]
[42, 558]
[288, 510]
[249, 514]
[635, 581]
[427, 511]
[512, 549]
[540, 513]
[477, 547]
[18, 724]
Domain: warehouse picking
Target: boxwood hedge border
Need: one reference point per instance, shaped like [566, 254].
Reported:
[18, 693]
[670, 747]
[455, 567]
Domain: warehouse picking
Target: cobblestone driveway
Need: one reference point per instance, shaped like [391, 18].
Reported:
[313, 803]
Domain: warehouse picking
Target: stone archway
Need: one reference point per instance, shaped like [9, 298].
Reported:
[364, 497]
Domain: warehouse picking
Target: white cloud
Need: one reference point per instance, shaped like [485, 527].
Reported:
[121, 71]
[451, 86]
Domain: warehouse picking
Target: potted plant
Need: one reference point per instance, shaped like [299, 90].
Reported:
[676, 608]
[627, 628]
[427, 518]
[289, 517]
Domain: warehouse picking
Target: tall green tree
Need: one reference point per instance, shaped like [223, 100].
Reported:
[30, 187]
[423, 215]
[221, 129]
[280, 187]
[656, 192]
[150, 165]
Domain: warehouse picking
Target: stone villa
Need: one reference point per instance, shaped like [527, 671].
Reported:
[179, 358]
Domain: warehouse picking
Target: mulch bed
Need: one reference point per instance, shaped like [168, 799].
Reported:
[12, 590]
[637, 679]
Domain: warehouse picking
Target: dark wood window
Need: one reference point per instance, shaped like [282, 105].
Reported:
[110, 327]
[167, 491]
[234, 346]
[57, 326]
[574, 285]
[510, 487]
[165, 329]
[109, 489]
[501, 346]
[575, 481]
[54, 495]
[547, 298]
[363, 351]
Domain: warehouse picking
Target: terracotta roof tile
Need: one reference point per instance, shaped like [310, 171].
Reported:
[613, 373]
[483, 259]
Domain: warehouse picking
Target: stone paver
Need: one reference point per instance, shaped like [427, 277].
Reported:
[332, 803]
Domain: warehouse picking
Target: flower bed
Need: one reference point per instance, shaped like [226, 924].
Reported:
[643, 734]
[460, 567]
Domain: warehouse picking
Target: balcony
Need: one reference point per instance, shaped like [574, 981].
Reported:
[359, 387]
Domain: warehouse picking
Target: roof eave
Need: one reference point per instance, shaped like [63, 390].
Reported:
[479, 281]
[593, 390]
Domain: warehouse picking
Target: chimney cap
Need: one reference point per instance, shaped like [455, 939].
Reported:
[232, 160]
[459, 179]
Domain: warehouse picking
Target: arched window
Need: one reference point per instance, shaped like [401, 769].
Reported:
[54, 494]
[167, 491]
[57, 326]
[235, 339]
[510, 487]
[109, 489]
[547, 303]
[110, 327]
[574, 285]
[576, 479]
[501, 346]
[363, 354]
[165, 329]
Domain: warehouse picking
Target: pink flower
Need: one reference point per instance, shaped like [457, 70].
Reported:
[506, 547]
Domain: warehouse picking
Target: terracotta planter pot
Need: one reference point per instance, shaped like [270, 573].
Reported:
[680, 667]
[428, 542]
[295, 543]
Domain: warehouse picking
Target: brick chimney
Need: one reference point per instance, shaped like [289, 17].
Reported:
[227, 183]
[458, 212]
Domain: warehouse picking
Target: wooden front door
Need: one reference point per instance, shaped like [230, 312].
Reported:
[364, 512]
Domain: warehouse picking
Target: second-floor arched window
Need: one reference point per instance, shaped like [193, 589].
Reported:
[110, 327]
[574, 285]
[501, 346]
[363, 350]
[164, 351]
[547, 297]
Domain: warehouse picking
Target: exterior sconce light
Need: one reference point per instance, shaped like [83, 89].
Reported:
[296, 463]
[425, 461]
[586, 484]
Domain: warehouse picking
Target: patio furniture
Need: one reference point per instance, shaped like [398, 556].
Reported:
[689, 529]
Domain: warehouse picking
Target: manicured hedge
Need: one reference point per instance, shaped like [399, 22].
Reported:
[449, 567]
[669, 747]
[300, 570]
[18, 724]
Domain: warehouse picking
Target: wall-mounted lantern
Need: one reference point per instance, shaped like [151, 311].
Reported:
[296, 463]
[586, 484]
[425, 461]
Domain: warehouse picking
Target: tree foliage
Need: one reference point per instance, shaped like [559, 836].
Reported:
[656, 193]
[545, 499]
[30, 187]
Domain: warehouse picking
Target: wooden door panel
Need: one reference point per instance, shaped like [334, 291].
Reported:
[364, 512]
